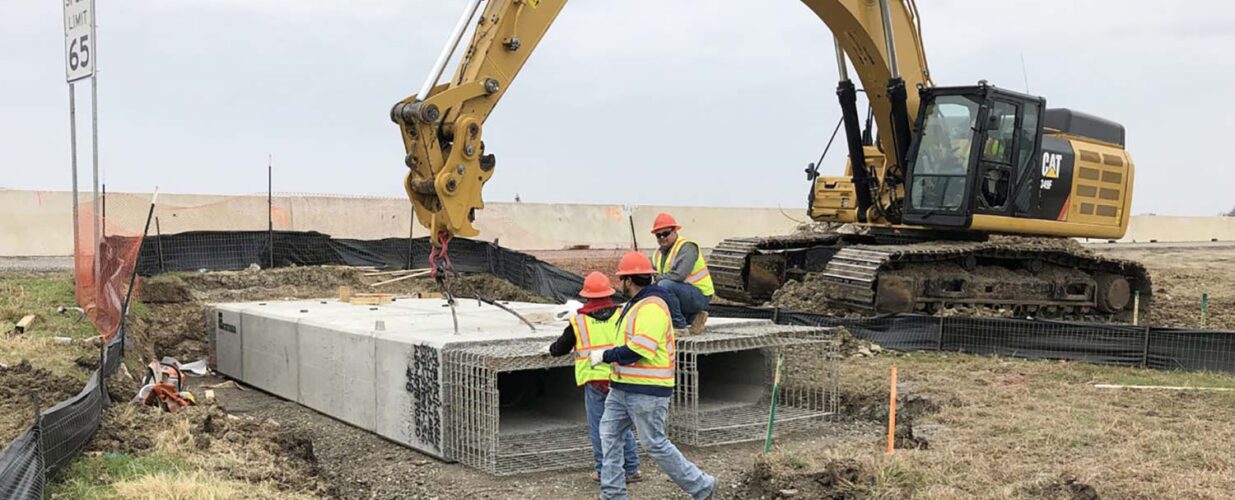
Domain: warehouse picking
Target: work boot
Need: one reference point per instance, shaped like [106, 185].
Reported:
[634, 478]
[696, 326]
[596, 476]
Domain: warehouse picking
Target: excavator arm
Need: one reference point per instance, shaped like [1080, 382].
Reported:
[442, 125]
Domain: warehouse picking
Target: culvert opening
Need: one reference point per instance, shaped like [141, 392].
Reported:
[511, 410]
[724, 385]
[542, 423]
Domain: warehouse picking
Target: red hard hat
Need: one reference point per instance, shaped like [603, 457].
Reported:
[664, 221]
[635, 263]
[596, 286]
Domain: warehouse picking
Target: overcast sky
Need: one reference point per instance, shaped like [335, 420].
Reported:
[684, 102]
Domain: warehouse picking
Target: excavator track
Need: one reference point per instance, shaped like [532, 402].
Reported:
[1038, 276]
[1049, 277]
[750, 270]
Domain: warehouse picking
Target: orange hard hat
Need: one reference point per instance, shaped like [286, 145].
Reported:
[635, 263]
[596, 286]
[664, 221]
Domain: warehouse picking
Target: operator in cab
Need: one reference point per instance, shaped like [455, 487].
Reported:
[681, 270]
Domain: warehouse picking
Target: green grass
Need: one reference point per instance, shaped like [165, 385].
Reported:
[1099, 374]
[90, 477]
[40, 295]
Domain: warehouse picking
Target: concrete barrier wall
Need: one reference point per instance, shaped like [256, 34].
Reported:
[34, 223]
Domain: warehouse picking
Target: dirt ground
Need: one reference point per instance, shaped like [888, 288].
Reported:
[1180, 275]
[174, 321]
[969, 427]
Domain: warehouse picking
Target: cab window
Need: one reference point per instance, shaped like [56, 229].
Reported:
[941, 166]
[999, 135]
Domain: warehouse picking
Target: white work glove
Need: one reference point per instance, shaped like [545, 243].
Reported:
[567, 310]
[596, 357]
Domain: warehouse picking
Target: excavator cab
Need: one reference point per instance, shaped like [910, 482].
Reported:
[973, 155]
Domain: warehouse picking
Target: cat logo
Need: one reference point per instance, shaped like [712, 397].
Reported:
[1051, 163]
[534, 3]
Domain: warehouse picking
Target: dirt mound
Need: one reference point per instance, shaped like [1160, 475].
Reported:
[174, 323]
[241, 448]
[176, 330]
[271, 284]
[166, 289]
[810, 295]
[17, 384]
[839, 479]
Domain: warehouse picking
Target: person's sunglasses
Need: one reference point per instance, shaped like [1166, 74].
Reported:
[663, 234]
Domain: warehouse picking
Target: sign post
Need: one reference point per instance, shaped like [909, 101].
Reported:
[80, 56]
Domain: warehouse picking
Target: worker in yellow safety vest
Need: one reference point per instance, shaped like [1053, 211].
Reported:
[641, 384]
[593, 327]
[681, 270]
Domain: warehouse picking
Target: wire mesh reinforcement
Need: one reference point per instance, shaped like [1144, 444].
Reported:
[473, 411]
[511, 410]
[724, 383]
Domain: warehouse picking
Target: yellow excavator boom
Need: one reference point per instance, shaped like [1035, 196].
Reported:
[442, 125]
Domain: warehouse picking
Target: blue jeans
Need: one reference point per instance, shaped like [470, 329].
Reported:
[690, 301]
[594, 402]
[647, 414]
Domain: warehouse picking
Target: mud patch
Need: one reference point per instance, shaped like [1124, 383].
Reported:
[1065, 487]
[18, 384]
[839, 479]
[166, 289]
[171, 329]
[240, 448]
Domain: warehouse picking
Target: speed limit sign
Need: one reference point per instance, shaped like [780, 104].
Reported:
[79, 39]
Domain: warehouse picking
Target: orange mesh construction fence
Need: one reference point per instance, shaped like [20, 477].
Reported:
[104, 271]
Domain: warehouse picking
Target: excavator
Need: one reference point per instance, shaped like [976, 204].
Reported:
[962, 196]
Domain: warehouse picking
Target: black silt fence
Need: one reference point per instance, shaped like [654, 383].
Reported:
[58, 434]
[1152, 347]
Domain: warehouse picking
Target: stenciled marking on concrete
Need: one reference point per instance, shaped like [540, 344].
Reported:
[425, 388]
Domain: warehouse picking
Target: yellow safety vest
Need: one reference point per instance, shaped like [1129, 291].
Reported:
[648, 330]
[592, 334]
[699, 276]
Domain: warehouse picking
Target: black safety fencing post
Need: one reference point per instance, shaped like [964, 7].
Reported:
[38, 436]
[158, 242]
[270, 209]
[634, 242]
[411, 240]
[942, 328]
[104, 399]
[1145, 349]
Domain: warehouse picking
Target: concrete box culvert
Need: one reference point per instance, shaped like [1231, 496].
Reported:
[486, 397]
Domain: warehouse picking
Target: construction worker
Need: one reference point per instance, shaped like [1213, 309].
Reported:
[594, 327]
[642, 383]
[681, 270]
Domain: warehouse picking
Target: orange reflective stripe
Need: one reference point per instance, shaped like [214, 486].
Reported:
[646, 342]
[593, 348]
[633, 316]
[582, 329]
[643, 372]
[698, 276]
